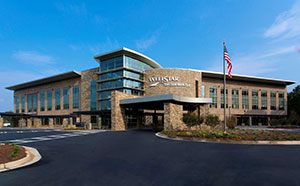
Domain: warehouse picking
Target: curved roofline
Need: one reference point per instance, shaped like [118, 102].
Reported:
[130, 53]
[287, 82]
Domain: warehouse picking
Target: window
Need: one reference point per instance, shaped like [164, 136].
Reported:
[57, 99]
[203, 91]
[66, 98]
[136, 64]
[49, 100]
[111, 64]
[111, 84]
[105, 94]
[17, 104]
[281, 100]
[111, 75]
[197, 88]
[213, 95]
[29, 103]
[133, 84]
[34, 99]
[273, 100]
[42, 101]
[105, 105]
[222, 97]
[22, 103]
[254, 99]
[245, 99]
[133, 75]
[76, 96]
[93, 95]
[235, 98]
[264, 102]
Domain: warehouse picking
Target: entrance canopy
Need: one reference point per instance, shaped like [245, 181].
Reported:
[157, 101]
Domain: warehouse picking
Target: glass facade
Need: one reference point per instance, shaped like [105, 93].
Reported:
[235, 98]
[273, 100]
[57, 99]
[66, 98]
[34, 99]
[49, 100]
[281, 100]
[76, 96]
[213, 95]
[121, 73]
[222, 97]
[264, 102]
[29, 103]
[17, 104]
[42, 101]
[245, 99]
[93, 95]
[22, 103]
[254, 99]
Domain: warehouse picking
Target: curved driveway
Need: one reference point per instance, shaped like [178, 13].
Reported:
[138, 158]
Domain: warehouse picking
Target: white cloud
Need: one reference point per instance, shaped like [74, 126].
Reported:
[256, 63]
[146, 43]
[33, 57]
[286, 25]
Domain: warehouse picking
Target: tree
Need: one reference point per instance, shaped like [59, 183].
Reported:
[294, 101]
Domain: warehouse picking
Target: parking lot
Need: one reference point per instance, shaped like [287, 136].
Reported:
[138, 157]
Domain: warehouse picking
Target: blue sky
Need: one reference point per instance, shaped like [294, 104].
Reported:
[43, 38]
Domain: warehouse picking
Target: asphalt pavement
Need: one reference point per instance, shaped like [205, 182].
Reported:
[138, 158]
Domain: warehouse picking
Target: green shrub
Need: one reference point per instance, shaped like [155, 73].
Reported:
[191, 120]
[231, 122]
[212, 120]
[16, 150]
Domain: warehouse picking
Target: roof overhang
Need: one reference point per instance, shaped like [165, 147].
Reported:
[129, 53]
[166, 98]
[248, 78]
[59, 77]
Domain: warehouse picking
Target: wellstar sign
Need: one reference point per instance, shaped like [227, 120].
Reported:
[167, 81]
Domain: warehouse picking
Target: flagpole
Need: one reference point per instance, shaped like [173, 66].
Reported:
[224, 86]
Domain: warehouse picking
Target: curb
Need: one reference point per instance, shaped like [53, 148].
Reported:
[32, 156]
[158, 134]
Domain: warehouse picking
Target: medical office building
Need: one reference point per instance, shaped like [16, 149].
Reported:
[130, 90]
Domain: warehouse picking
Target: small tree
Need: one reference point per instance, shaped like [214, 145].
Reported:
[191, 120]
[212, 120]
[231, 122]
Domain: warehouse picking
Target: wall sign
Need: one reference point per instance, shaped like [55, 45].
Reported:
[167, 81]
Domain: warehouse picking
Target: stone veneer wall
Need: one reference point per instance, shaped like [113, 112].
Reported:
[117, 112]
[87, 77]
[173, 114]
[184, 76]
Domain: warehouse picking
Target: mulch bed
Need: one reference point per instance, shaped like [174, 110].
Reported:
[5, 152]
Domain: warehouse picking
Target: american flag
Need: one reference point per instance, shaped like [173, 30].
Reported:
[227, 58]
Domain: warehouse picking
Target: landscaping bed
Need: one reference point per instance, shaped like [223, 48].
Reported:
[10, 153]
[235, 134]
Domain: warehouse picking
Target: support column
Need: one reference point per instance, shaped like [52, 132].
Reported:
[22, 123]
[173, 114]
[36, 122]
[64, 122]
[269, 119]
[29, 123]
[1, 122]
[250, 121]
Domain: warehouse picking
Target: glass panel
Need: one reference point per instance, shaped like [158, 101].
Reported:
[75, 96]
[111, 75]
[133, 84]
[133, 75]
[57, 99]
[203, 91]
[66, 98]
[213, 95]
[281, 100]
[93, 95]
[235, 98]
[42, 101]
[245, 99]
[254, 99]
[264, 104]
[49, 100]
[222, 97]
[29, 103]
[105, 105]
[17, 104]
[273, 100]
[22, 103]
[112, 84]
